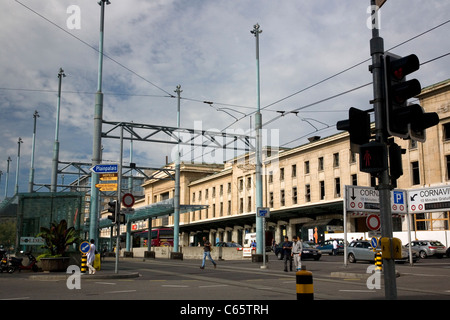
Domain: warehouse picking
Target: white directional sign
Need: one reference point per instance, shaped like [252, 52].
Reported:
[367, 199]
[429, 199]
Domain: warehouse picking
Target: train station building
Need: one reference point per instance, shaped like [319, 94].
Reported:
[302, 186]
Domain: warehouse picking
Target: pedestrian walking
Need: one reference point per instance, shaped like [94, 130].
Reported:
[287, 256]
[335, 247]
[207, 253]
[297, 248]
[90, 257]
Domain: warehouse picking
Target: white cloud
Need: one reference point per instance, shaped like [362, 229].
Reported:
[207, 48]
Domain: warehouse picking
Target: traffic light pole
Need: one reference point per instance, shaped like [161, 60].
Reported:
[377, 51]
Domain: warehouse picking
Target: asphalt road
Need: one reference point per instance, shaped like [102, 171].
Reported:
[164, 280]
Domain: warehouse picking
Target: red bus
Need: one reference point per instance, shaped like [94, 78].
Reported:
[161, 237]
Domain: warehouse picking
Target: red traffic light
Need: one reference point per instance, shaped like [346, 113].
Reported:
[400, 68]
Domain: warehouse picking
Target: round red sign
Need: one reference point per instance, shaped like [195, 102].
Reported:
[373, 222]
[128, 200]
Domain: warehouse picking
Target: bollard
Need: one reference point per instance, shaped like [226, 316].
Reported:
[305, 289]
[83, 263]
[378, 262]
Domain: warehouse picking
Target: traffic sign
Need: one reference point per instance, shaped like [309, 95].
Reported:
[105, 168]
[128, 200]
[107, 186]
[373, 222]
[367, 199]
[108, 176]
[429, 199]
[374, 242]
[85, 247]
[263, 212]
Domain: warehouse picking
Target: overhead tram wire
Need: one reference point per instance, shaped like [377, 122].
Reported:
[92, 47]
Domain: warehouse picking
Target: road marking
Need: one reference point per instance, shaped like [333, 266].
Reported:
[214, 286]
[105, 283]
[19, 298]
[120, 291]
[174, 286]
[358, 290]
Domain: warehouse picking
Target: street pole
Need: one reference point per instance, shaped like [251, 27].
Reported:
[260, 221]
[31, 179]
[16, 189]
[97, 135]
[54, 180]
[119, 196]
[377, 51]
[176, 200]
[7, 176]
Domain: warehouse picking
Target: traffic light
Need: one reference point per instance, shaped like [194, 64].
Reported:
[113, 208]
[395, 161]
[358, 126]
[372, 157]
[403, 120]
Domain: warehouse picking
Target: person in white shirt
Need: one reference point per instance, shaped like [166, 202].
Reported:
[90, 258]
[297, 248]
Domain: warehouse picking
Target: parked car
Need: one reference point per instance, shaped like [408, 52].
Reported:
[427, 248]
[228, 244]
[362, 250]
[327, 246]
[308, 252]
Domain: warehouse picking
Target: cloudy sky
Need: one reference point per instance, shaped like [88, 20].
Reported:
[310, 50]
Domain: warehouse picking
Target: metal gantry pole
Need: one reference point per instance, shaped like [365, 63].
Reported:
[97, 135]
[260, 221]
[176, 201]
[377, 52]
[31, 179]
[7, 176]
[54, 180]
[16, 189]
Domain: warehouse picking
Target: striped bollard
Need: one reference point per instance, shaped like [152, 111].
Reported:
[83, 263]
[378, 262]
[305, 289]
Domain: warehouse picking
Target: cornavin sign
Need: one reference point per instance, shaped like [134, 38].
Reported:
[429, 199]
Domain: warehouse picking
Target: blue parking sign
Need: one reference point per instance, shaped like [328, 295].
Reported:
[398, 197]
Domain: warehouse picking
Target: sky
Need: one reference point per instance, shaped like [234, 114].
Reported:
[313, 58]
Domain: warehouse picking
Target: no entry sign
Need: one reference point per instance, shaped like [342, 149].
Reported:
[373, 222]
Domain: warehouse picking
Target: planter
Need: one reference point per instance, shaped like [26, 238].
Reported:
[57, 264]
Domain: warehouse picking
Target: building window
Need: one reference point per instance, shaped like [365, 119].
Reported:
[294, 195]
[321, 164]
[336, 160]
[448, 167]
[249, 182]
[270, 176]
[221, 209]
[415, 172]
[221, 189]
[213, 210]
[281, 174]
[337, 187]
[229, 208]
[193, 197]
[307, 193]
[199, 196]
[354, 179]
[306, 167]
[322, 190]
[282, 202]
[447, 131]
[413, 144]
[206, 194]
[241, 205]
[241, 184]
[294, 170]
[271, 199]
[214, 192]
[352, 157]
[249, 204]
[229, 187]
